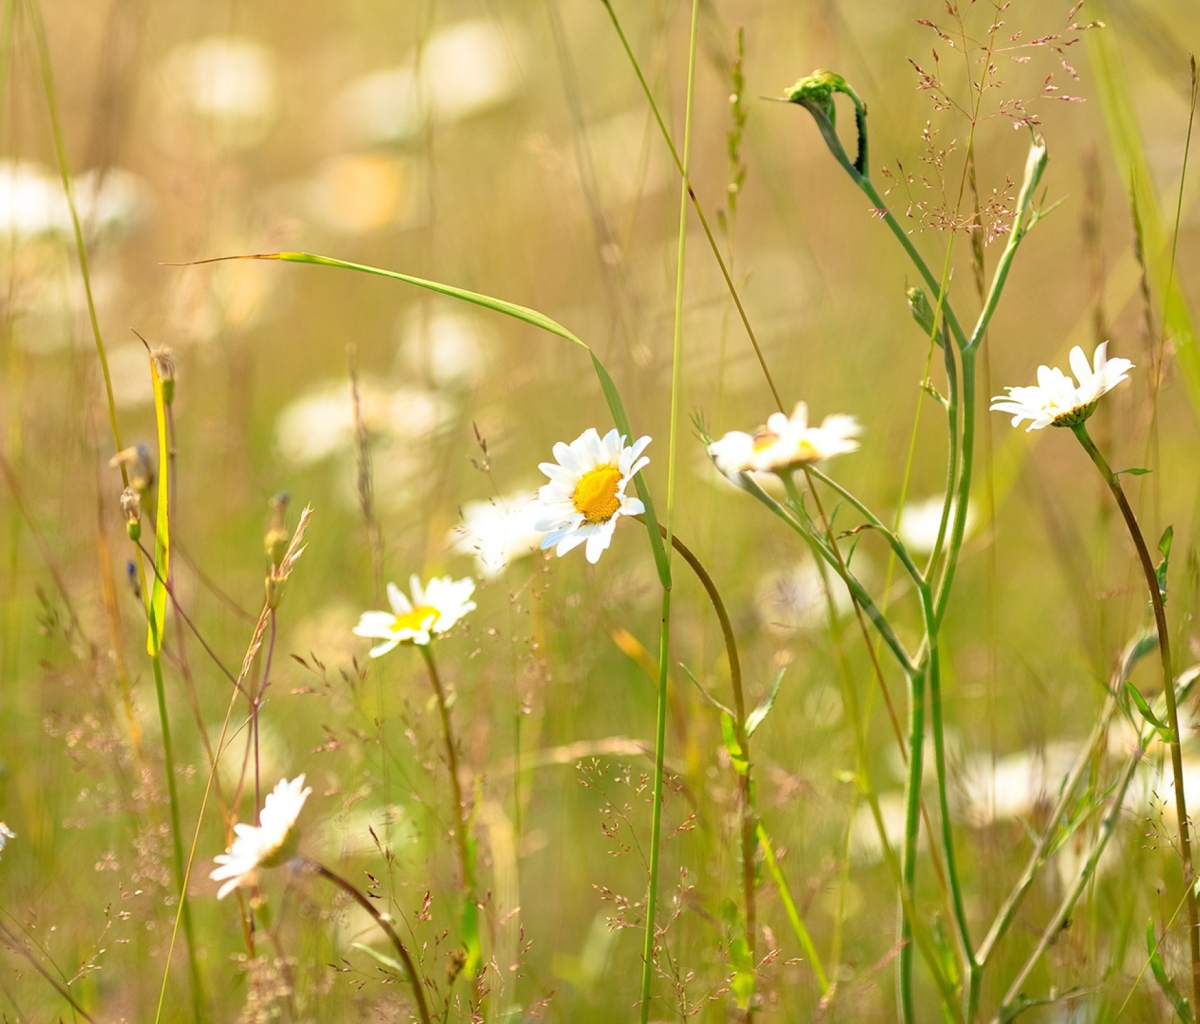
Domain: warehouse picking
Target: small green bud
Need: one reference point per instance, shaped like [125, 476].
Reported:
[922, 312]
[815, 93]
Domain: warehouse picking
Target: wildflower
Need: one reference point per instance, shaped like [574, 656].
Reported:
[1056, 399]
[785, 443]
[796, 598]
[6, 834]
[230, 83]
[499, 531]
[586, 494]
[921, 520]
[433, 609]
[267, 844]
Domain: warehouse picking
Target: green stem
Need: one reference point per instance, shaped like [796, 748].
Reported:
[897, 547]
[708, 234]
[660, 739]
[793, 914]
[402, 951]
[830, 555]
[1164, 648]
[864, 182]
[912, 820]
[939, 754]
[963, 496]
[1053, 929]
[1008, 911]
[664, 654]
[177, 839]
[745, 778]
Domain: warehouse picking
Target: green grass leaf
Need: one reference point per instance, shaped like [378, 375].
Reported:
[755, 718]
[1182, 1010]
[517, 312]
[157, 605]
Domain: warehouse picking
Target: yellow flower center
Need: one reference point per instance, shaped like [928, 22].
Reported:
[416, 619]
[595, 495]
[764, 439]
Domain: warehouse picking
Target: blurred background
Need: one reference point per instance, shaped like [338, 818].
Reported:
[507, 147]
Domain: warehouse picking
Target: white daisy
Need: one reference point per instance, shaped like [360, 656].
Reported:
[586, 494]
[265, 845]
[1056, 399]
[432, 609]
[498, 531]
[6, 834]
[785, 443]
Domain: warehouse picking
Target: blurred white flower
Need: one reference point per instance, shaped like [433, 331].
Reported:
[267, 844]
[321, 422]
[498, 531]
[785, 443]
[446, 346]
[129, 369]
[793, 599]
[31, 201]
[433, 609]
[6, 834]
[1153, 791]
[920, 521]
[586, 494]
[865, 845]
[1016, 785]
[111, 203]
[230, 82]
[1055, 399]
[463, 70]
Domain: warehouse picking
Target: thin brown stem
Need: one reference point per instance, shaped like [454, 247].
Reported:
[402, 951]
[745, 783]
[460, 817]
[1164, 648]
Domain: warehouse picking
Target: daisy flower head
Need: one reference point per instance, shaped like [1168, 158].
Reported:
[269, 843]
[586, 493]
[1056, 399]
[6, 834]
[785, 443]
[431, 609]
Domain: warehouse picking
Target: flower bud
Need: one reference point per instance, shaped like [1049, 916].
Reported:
[138, 461]
[164, 362]
[131, 509]
[815, 93]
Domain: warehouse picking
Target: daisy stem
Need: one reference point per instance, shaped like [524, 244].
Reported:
[664, 652]
[405, 957]
[916, 748]
[749, 823]
[1164, 649]
[460, 818]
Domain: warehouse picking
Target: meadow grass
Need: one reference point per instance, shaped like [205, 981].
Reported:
[810, 745]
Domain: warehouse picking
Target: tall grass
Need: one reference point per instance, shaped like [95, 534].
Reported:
[788, 752]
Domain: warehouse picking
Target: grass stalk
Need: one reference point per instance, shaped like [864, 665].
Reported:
[664, 653]
[681, 165]
[749, 824]
[406, 959]
[461, 824]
